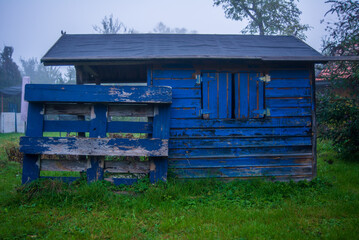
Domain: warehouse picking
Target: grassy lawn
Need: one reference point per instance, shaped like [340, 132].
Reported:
[326, 208]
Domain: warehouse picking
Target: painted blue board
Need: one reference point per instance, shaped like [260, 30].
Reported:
[178, 83]
[288, 102]
[285, 83]
[256, 96]
[98, 129]
[175, 73]
[290, 112]
[129, 127]
[186, 93]
[66, 126]
[188, 143]
[217, 95]
[185, 112]
[84, 126]
[161, 127]
[186, 103]
[96, 93]
[299, 74]
[35, 119]
[234, 123]
[237, 152]
[243, 172]
[287, 92]
[244, 132]
[240, 162]
[224, 95]
[241, 85]
[94, 146]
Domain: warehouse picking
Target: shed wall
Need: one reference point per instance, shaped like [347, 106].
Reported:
[279, 145]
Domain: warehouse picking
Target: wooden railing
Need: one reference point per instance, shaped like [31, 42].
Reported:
[93, 110]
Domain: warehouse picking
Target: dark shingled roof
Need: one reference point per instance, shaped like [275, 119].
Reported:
[72, 48]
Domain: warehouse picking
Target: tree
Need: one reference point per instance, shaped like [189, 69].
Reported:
[266, 17]
[9, 71]
[38, 73]
[9, 76]
[109, 25]
[338, 108]
[162, 28]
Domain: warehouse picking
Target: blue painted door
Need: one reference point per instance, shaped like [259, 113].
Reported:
[249, 95]
[217, 95]
[238, 96]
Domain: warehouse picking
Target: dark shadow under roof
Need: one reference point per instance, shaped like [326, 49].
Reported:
[77, 48]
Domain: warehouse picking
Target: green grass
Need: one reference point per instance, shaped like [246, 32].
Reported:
[326, 208]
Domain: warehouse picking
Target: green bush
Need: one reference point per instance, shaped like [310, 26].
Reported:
[338, 119]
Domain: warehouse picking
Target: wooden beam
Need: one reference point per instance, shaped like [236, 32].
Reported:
[63, 165]
[94, 146]
[96, 93]
[130, 110]
[127, 166]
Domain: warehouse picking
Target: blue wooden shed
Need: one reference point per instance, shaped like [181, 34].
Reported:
[207, 106]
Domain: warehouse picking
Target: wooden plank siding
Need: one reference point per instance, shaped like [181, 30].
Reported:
[279, 145]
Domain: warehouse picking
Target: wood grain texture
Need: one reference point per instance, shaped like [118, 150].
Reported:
[94, 146]
[96, 93]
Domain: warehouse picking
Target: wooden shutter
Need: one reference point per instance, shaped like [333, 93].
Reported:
[216, 95]
[249, 95]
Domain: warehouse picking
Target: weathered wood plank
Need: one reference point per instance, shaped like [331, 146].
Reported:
[288, 102]
[66, 126]
[69, 109]
[240, 162]
[98, 129]
[188, 143]
[186, 93]
[179, 83]
[127, 166]
[185, 113]
[186, 103]
[173, 74]
[96, 93]
[299, 74]
[161, 127]
[94, 146]
[290, 112]
[238, 132]
[129, 127]
[63, 165]
[288, 83]
[287, 92]
[237, 152]
[35, 119]
[242, 172]
[130, 110]
[249, 123]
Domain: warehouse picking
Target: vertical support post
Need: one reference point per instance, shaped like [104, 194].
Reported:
[31, 162]
[161, 126]
[98, 128]
[314, 123]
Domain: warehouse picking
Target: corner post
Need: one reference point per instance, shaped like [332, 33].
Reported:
[161, 122]
[31, 162]
[98, 129]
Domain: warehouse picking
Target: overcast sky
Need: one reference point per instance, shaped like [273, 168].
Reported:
[33, 26]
